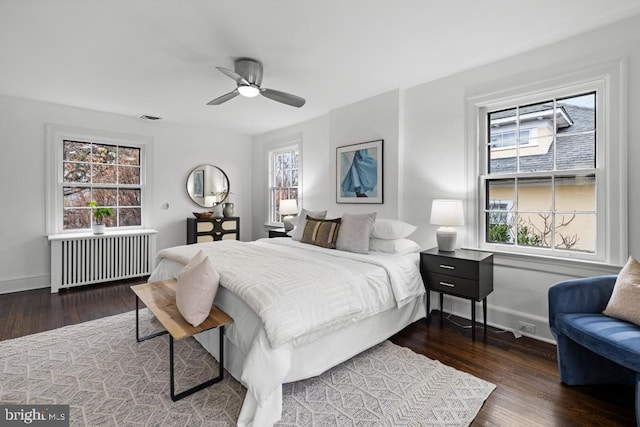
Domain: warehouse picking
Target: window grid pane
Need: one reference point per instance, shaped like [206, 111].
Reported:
[554, 209]
[284, 178]
[108, 174]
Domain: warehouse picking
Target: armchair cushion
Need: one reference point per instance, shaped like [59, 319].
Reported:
[614, 339]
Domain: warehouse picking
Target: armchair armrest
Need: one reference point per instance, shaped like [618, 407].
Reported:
[589, 295]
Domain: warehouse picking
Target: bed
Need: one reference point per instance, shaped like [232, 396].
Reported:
[292, 301]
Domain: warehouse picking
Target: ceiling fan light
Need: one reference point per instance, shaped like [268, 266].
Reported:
[248, 91]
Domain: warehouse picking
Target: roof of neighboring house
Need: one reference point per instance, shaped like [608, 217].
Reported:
[574, 151]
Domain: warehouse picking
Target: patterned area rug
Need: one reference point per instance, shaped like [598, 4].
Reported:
[109, 379]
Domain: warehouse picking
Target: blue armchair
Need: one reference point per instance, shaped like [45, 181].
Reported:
[593, 348]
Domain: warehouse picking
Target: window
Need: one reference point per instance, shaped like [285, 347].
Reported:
[545, 199]
[108, 174]
[558, 190]
[84, 166]
[284, 179]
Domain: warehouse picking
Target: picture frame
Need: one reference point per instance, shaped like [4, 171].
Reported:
[198, 183]
[359, 169]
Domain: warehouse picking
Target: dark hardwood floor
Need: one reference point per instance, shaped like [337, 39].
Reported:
[528, 391]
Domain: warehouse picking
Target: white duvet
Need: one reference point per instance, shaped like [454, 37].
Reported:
[300, 293]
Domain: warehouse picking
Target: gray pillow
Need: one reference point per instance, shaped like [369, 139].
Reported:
[298, 231]
[355, 231]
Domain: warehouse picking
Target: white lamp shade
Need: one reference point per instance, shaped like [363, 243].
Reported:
[447, 212]
[288, 207]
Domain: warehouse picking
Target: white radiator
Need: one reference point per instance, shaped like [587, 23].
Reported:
[82, 259]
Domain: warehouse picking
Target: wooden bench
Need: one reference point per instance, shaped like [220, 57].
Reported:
[160, 298]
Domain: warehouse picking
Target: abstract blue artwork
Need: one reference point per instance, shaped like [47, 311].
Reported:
[359, 173]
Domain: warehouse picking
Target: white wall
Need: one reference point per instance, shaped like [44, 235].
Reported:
[427, 127]
[176, 149]
[371, 119]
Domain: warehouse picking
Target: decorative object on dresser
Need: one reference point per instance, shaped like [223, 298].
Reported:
[446, 213]
[207, 186]
[201, 230]
[359, 173]
[287, 209]
[461, 273]
[227, 209]
[277, 232]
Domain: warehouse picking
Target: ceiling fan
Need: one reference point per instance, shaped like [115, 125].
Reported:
[248, 76]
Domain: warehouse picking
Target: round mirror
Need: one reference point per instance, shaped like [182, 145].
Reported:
[207, 185]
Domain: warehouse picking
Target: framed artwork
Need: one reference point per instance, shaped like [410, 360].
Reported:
[198, 183]
[359, 173]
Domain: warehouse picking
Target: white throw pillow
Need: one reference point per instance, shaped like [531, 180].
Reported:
[391, 229]
[298, 231]
[198, 283]
[625, 298]
[396, 246]
[354, 232]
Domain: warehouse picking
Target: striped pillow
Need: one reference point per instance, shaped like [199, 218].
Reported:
[321, 232]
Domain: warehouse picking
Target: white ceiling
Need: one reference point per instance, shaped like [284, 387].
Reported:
[157, 57]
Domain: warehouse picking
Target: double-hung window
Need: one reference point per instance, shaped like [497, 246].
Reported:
[284, 179]
[549, 173]
[88, 166]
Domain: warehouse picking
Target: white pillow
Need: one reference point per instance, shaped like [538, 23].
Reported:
[298, 231]
[391, 229]
[354, 232]
[396, 246]
[197, 286]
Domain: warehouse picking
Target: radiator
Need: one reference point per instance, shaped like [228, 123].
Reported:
[85, 258]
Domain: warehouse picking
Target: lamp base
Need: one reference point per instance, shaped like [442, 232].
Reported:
[446, 237]
[286, 221]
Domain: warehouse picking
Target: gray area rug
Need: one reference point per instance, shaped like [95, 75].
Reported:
[109, 379]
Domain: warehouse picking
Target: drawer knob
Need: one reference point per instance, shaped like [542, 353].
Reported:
[451, 285]
[448, 267]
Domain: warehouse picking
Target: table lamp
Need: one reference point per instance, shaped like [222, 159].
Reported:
[288, 208]
[447, 213]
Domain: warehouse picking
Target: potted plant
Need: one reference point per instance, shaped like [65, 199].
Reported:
[99, 214]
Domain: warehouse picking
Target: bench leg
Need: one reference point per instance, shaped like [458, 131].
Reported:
[205, 384]
[146, 337]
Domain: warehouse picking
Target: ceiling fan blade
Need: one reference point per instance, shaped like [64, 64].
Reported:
[224, 98]
[285, 98]
[235, 76]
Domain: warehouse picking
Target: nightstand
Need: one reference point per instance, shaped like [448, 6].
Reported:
[277, 232]
[461, 273]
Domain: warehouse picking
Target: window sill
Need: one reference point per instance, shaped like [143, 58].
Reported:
[564, 266]
[108, 233]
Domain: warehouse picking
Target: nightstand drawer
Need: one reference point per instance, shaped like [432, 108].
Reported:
[451, 266]
[452, 285]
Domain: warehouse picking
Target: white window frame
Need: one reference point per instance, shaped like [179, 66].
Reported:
[610, 83]
[287, 145]
[54, 139]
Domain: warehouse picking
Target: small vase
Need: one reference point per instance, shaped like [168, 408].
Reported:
[227, 209]
[98, 228]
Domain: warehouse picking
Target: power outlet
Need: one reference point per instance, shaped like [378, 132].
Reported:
[527, 327]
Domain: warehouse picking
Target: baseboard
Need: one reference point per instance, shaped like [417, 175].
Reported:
[25, 284]
[501, 318]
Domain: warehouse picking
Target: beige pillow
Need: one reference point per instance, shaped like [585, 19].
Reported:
[354, 232]
[624, 303]
[197, 286]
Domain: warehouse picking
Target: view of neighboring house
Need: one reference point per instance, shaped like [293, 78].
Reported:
[524, 198]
